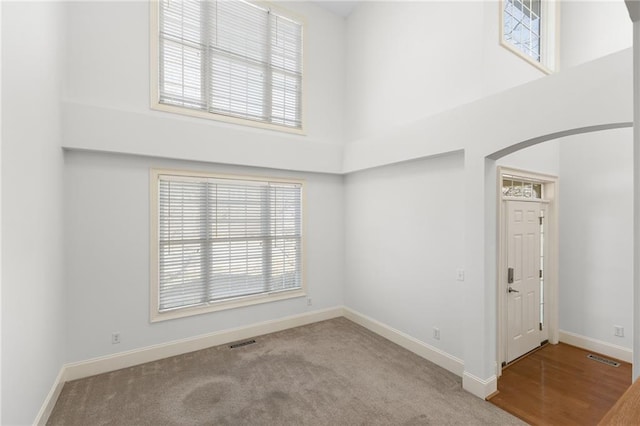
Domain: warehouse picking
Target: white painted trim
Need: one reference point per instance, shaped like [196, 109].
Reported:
[154, 273]
[126, 359]
[51, 399]
[154, 80]
[551, 259]
[428, 352]
[549, 37]
[478, 387]
[603, 348]
[105, 364]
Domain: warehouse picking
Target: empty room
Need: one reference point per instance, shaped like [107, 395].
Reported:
[318, 212]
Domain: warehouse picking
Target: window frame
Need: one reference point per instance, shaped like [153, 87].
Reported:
[154, 68]
[154, 277]
[549, 32]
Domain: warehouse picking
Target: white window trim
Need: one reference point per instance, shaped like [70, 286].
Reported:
[549, 37]
[155, 314]
[154, 66]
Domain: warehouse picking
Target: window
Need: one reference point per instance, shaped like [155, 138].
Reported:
[220, 242]
[513, 186]
[528, 29]
[228, 59]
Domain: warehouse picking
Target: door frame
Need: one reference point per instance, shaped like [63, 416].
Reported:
[550, 269]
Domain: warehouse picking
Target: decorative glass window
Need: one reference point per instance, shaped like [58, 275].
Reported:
[522, 26]
[223, 240]
[228, 59]
[515, 187]
[528, 29]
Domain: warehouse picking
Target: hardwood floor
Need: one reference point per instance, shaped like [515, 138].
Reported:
[559, 385]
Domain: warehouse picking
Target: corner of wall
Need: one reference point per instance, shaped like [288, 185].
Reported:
[479, 387]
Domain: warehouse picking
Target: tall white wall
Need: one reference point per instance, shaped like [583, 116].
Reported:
[106, 109]
[592, 29]
[107, 254]
[404, 242]
[33, 290]
[593, 94]
[410, 60]
[425, 72]
[596, 235]
[107, 97]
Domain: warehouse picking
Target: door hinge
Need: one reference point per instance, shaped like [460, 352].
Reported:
[540, 274]
[540, 326]
[541, 217]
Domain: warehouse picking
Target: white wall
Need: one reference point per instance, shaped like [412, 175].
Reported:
[107, 95]
[107, 254]
[404, 242]
[410, 60]
[105, 108]
[593, 94]
[33, 291]
[592, 29]
[596, 235]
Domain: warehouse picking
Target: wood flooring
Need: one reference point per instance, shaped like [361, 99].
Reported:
[559, 385]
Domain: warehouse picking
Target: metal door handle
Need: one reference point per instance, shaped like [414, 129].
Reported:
[513, 291]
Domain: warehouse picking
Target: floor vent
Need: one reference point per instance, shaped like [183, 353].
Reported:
[241, 344]
[603, 360]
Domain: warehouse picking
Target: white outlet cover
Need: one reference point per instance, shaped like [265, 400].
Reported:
[459, 274]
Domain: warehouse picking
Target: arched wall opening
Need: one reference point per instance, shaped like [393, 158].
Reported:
[597, 237]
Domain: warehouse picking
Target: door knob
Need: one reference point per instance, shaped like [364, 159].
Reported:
[513, 291]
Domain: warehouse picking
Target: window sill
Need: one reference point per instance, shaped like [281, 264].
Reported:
[225, 304]
[538, 65]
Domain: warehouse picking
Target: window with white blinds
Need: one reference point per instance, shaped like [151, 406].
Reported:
[231, 58]
[225, 239]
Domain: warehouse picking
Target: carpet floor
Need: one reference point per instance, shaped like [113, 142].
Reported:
[328, 373]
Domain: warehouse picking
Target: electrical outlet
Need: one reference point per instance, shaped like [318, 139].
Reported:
[115, 338]
[436, 333]
[618, 330]
[309, 301]
[459, 274]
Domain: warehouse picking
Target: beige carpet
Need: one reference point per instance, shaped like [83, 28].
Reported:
[329, 373]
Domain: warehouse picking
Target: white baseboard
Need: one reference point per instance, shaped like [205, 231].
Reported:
[50, 401]
[479, 387]
[91, 367]
[603, 348]
[428, 352]
[105, 364]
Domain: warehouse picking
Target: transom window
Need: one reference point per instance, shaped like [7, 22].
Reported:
[512, 186]
[528, 29]
[223, 241]
[229, 59]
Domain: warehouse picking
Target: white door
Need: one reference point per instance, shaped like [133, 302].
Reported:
[523, 278]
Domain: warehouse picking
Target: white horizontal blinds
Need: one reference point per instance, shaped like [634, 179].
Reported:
[244, 237]
[237, 241]
[181, 52]
[285, 245]
[182, 243]
[286, 60]
[244, 60]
